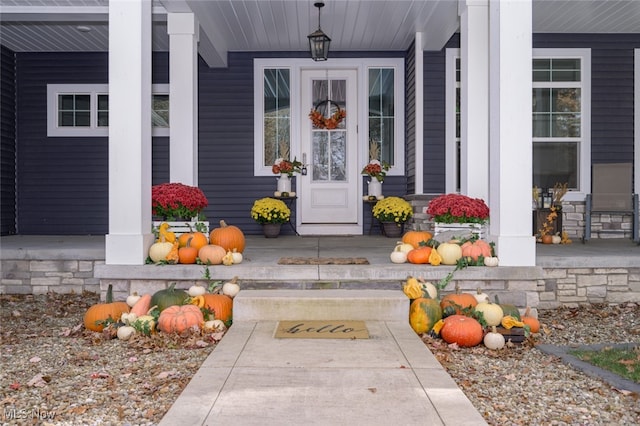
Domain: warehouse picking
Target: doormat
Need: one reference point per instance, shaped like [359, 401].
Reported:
[323, 261]
[317, 329]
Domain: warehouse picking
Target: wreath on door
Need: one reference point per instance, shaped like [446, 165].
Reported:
[319, 121]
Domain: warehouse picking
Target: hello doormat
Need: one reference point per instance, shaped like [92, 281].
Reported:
[317, 329]
[323, 261]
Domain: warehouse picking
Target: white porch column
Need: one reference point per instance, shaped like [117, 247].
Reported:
[511, 155]
[183, 98]
[419, 112]
[474, 108]
[130, 234]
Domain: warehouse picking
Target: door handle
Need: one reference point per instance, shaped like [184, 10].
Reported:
[303, 170]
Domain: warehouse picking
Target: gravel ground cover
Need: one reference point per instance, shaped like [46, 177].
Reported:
[56, 373]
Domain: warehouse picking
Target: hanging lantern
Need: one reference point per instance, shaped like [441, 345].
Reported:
[318, 41]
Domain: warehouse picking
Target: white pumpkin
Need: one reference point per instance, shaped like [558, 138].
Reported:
[491, 312]
[132, 299]
[159, 251]
[215, 325]
[490, 261]
[431, 290]
[450, 253]
[125, 332]
[556, 239]
[404, 247]
[237, 257]
[481, 296]
[196, 290]
[128, 318]
[231, 288]
[494, 340]
[398, 256]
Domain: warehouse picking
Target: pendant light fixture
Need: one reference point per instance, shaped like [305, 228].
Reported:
[318, 41]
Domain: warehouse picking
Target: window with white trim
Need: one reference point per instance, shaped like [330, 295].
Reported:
[277, 121]
[83, 110]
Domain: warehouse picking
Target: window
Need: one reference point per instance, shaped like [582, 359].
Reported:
[452, 149]
[277, 121]
[560, 114]
[83, 110]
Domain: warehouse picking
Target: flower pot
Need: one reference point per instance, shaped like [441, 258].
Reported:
[374, 188]
[284, 183]
[271, 230]
[392, 229]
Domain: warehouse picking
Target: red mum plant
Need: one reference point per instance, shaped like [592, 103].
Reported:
[457, 208]
[376, 169]
[282, 166]
[173, 201]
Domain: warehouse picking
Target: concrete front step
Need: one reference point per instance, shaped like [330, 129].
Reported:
[364, 305]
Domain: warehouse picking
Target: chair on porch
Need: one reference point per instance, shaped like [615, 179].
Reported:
[612, 193]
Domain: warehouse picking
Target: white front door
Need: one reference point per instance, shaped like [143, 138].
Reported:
[329, 201]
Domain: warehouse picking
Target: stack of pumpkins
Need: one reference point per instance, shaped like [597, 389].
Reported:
[465, 319]
[419, 247]
[170, 311]
[223, 246]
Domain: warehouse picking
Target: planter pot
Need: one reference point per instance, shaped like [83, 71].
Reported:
[374, 188]
[462, 228]
[284, 183]
[271, 230]
[392, 229]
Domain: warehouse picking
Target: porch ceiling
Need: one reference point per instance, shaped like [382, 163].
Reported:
[282, 25]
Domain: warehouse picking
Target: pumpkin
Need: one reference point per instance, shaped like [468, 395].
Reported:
[419, 255]
[450, 253]
[168, 297]
[491, 261]
[214, 325]
[196, 290]
[556, 239]
[98, 314]
[434, 258]
[423, 314]
[462, 330]
[404, 247]
[531, 321]
[221, 305]
[237, 257]
[188, 254]
[547, 239]
[145, 324]
[228, 237]
[458, 301]
[491, 312]
[231, 288]
[159, 251]
[397, 255]
[176, 319]
[494, 340]
[128, 318]
[198, 239]
[509, 309]
[476, 249]
[132, 299]
[142, 306]
[480, 296]
[211, 254]
[125, 332]
[416, 237]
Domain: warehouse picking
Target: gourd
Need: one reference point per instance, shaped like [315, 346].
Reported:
[491, 312]
[494, 340]
[231, 288]
[237, 257]
[462, 330]
[128, 318]
[480, 296]
[450, 253]
[531, 321]
[228, 237]
[172, 257]
[196, 290]
[509, 309]
[176, 319]
[397, 255]
[168, 297]
[215, 325]
[434, 258]
[164, 233]
[423, 314]
[490, 261]
[146, 324]
[419, 255]
[416, 237]
[96, 316]
[142, 305]
[412, 288]
[227, 259]
[476, 249]
[198, 301]
[132, 299]
[221, 305]
[458, 301]
[159, 251]
[509, 322]
[188, 254]
[211, 254]
[125, 332]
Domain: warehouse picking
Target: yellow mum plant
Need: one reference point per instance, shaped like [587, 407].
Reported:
[392, 209]
[270, 210]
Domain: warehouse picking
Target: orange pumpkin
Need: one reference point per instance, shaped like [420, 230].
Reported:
[462, 330]
[211, 254]
[476, 249]
[458, 301]
[98, 314]
[532, 322]
[198, 239]
[416, 237]
[228, 237]
[419, 255]
[176, 319]
[220, 304]
[188, 254]
[142, 306]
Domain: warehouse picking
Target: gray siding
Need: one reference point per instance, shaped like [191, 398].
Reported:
[7, 142]
[410, 122]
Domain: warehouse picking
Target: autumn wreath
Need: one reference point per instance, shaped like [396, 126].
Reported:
[319, 121]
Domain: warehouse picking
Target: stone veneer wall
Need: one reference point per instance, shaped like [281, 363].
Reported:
[55, 275]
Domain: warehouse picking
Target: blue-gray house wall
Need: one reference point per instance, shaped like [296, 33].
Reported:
[7, 143]
[62, 182]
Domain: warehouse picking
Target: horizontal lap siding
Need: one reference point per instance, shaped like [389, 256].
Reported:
[410, 130]
[7, 143]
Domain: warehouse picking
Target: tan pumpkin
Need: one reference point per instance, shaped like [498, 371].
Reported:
[229, 237]
[416, 237]
[211, 254]
[450, 253]
[176, 319]
[476, 249]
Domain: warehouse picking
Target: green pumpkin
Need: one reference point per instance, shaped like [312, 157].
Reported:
[423, 314]
[168, 297]
[508, 309]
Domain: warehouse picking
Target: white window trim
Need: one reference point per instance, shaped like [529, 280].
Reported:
[584, 178]
[53, 90]
[295, 66]
[451, 164]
